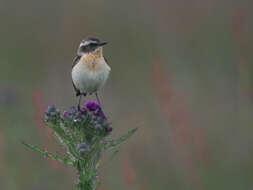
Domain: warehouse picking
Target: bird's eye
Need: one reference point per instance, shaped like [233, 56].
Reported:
[92, 45]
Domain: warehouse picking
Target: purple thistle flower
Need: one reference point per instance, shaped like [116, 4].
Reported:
[67, 115]
[73, 109]
[101, 115]
[83, 110]
[109, 129]
[92, 106]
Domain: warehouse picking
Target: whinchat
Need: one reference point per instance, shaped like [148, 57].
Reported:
[90, 69]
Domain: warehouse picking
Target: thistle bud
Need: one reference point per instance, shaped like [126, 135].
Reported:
[51, 114]
[82, 148]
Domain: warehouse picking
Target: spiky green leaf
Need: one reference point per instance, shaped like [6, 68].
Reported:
[114, 143]
[47, 154]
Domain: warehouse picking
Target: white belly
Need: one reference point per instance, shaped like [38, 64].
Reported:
[88, 81]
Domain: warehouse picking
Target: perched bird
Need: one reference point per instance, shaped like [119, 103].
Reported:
[89, 70]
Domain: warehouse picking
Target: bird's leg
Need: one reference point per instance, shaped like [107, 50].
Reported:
[79, 102]
[98, 99]
[99, 102]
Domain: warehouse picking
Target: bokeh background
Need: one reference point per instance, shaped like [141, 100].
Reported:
[181, 73]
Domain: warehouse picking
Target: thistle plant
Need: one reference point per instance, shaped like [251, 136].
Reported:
[84, 134]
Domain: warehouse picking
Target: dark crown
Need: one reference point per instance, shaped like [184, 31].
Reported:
[90, 44]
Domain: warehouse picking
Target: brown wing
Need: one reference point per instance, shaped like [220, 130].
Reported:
[75, 61]
[106, 60]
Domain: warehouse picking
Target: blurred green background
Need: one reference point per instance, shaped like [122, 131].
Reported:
[181, 73]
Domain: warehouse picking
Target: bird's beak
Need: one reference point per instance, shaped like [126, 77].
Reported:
[102, 43]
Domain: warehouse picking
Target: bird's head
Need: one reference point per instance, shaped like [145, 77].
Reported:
[90, 45]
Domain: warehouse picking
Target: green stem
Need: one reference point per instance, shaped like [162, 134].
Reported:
[87, 177]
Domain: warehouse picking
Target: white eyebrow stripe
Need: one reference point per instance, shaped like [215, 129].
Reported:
[87, 42]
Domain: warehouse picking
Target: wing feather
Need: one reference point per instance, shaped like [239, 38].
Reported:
[75, 61]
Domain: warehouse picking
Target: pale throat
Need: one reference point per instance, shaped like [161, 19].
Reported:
[93, 58]
[98, 52]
